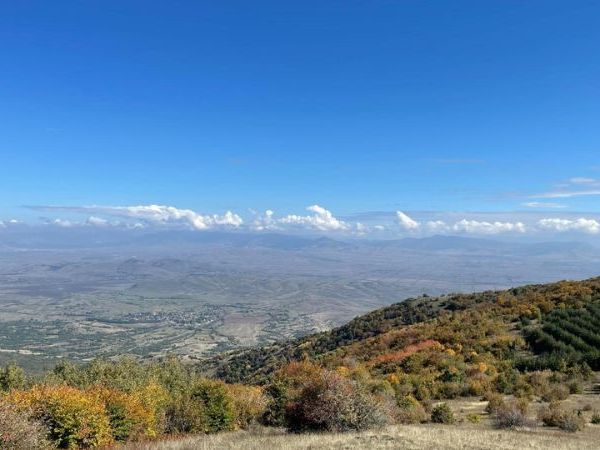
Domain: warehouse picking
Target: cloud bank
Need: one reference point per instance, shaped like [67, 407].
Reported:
[152, 214]
[563, 225]
[462, 226]
[318, 219]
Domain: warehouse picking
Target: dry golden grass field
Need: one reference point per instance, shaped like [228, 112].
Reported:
[396, 437]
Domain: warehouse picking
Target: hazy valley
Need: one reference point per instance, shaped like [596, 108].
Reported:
[79, 295]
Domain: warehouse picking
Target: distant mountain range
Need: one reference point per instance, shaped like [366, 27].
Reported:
[57, 238]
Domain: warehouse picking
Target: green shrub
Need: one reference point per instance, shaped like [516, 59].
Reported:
[474, 418]
[216, 403]
[442, 413]
[278, 396]
[184, 415]
[410, 410]
[12, 377]
[595, 419]
[450, 390]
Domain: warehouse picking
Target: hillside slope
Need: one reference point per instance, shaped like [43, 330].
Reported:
[484, 329]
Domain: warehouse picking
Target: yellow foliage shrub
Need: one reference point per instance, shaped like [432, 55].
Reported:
[129, 417]
[392, 378]
[73, 418]
[249, 404]
[343, 371]
[154, 397]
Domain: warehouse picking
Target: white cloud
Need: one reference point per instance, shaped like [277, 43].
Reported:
[169, 214]
[158, 214]
[228, 219]
[322, 220]
[583, 180]
[573, 187]
[482, 227]
[96, 221]
[568, 194]
[265, 222]
[561, 225]
[6, 223]
[407, 223]
[437, 226]
[544, 205]
[63, 223]
[360, 229]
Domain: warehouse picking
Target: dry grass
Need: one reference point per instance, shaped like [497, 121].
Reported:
[405, 437]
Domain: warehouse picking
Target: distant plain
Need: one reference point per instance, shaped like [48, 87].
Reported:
[80, 295]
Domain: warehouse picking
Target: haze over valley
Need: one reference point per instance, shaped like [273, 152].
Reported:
[81, 293]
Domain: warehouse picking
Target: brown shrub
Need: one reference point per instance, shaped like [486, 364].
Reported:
[17, 432]
[572, 421]
[495, 402]
[512, 416]
[556, 392]
[555, 415]
[522, 405]
[575, 387]
[334, 403]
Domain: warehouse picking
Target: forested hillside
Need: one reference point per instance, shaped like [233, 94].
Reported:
[503, 328]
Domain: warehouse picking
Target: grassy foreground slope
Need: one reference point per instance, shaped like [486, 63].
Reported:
[409, 437]
[514, 359]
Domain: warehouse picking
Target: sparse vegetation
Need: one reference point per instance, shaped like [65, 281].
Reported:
[392, 366]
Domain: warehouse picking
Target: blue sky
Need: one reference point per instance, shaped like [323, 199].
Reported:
[357, 106]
